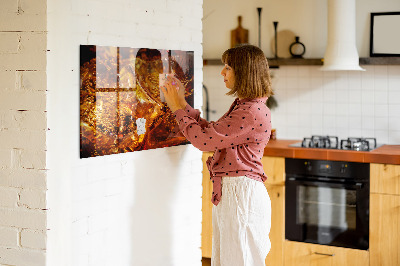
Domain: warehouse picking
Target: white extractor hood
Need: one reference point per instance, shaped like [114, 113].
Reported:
[341, 51]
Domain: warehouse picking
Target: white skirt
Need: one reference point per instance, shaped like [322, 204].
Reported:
[241, 223]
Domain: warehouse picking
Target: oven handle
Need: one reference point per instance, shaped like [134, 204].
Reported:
[357, 185]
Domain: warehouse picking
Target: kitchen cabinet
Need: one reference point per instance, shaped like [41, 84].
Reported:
[305, 254]
[385, 178]
[206, 226]
[385, 215]
[274, 168]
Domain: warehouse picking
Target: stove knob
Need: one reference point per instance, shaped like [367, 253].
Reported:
[308, 166]
[343, 168]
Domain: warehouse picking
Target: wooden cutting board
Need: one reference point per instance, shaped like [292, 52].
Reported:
[239, 35]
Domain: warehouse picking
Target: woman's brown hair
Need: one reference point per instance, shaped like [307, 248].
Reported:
[250, 66]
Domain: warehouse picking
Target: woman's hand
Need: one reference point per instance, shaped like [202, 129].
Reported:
[174, 93]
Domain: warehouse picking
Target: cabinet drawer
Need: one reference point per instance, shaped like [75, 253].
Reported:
[304, 254]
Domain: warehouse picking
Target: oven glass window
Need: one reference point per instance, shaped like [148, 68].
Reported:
[326, 207]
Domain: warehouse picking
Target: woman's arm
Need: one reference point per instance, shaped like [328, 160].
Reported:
[174, 93]
[239, 127]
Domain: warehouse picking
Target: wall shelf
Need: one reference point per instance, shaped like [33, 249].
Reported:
[380, 61]
[274, 63]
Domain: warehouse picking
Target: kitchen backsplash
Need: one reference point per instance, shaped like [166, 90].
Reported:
[314, 102]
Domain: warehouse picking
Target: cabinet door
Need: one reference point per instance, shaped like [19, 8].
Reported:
[206, 232]
[277, 233]
[385, 178]
[274, 168]
[384, 230]
[304, 254]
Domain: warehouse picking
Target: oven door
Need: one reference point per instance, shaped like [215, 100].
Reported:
[327, 213]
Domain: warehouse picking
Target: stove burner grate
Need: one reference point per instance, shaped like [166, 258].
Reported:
[332, 142]
[327, 142]
[358, 144]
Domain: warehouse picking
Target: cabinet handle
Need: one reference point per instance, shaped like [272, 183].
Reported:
[324, 254]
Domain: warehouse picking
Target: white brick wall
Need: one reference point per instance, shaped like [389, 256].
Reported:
[23, 132]
[140, 208]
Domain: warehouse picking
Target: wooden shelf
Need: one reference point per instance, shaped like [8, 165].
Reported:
[274, 63]
[380, 61]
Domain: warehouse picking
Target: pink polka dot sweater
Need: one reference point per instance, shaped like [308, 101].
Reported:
[238, 140]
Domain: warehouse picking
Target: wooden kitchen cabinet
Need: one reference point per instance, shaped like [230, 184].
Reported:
[274, 168]
[206, 225]
[385, 215]
[277, 233]
[385, 178]
[305, 254]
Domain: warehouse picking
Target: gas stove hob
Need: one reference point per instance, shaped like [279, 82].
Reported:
[332, 142]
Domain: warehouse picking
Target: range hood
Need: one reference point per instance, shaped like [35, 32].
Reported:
[341, 51]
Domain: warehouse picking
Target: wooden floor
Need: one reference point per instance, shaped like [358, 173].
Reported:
[206, 261]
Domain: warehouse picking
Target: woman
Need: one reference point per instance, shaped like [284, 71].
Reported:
[242, 208]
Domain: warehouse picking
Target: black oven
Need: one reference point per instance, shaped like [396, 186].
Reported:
[327, 202]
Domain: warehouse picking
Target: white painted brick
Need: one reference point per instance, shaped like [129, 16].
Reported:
[33, 7]
[22, 139]
[23, 100]
[80, 175]
[5, 158]
[30, 80]
[8, 197]
[168, 19]
[33, 239]
[7, 80]
[190, 22]
[9, 42]
[179, 7]
[32, 55]
[16, 158]
[23, 178]
[8, 237]
[8, 6]
[197, 166]
[33, 159]
[33, 120]
[144, 31]
[22, 218]
[80, 227]
[98, 222]
[114, 186]
[22, 22]
[11, 256]
[33, 199]
[196, 10]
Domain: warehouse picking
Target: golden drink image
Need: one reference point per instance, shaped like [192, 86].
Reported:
[121, 109]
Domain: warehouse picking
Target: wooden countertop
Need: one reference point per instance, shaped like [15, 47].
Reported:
[389, 154]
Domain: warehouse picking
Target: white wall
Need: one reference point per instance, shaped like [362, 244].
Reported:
[306, 19]
[140, 208]
[343, 104]
[23, 133]
[311, 102]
